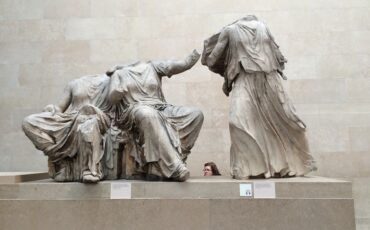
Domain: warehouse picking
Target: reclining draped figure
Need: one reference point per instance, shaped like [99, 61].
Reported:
[267, 137]
[126, 105]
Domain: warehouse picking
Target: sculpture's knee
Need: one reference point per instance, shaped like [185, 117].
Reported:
[147, 118]
[199, 117]
[26, 124]
[146, 113]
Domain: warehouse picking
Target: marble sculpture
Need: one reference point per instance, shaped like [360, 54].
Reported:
[124, 107]
[267, 137]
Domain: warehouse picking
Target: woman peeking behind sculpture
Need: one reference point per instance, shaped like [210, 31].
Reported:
[210, 169]
[71, 133]
[267, 137]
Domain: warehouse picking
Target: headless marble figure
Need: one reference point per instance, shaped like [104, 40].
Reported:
[130, 97]
[70, 133]
[267, 137]
[161, 134]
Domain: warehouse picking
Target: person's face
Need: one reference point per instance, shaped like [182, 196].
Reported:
[207, 171]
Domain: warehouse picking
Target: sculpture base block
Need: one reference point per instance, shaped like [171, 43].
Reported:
[200, 203]
[17, 177]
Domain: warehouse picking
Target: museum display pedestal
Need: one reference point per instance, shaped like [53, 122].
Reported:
[312, 203]
[16, 177]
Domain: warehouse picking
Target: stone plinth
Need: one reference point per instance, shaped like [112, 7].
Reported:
[16, 177]
[200, 203]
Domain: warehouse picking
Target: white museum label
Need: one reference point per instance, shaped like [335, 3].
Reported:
[264, 189]
[120, 190]
[246, 190]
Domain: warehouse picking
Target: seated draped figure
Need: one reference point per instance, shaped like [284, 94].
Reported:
[125, 106]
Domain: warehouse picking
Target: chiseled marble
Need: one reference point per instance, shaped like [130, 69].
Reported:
[337, 33]
[200, 203]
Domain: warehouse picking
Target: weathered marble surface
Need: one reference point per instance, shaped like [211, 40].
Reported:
[46, 44]
[267, 137]
[199, 203]
[70, 133]
[118, 124]
[220, 187]
[158, 135]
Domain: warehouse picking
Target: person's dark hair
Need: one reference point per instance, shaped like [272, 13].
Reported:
[214, 168]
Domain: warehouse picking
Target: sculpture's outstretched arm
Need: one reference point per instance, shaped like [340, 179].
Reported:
[172, 67]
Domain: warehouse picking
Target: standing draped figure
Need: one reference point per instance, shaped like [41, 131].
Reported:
[267, 137]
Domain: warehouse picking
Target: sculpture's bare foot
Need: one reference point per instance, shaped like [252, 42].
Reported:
[90, 179]
[287, 175]
[267, 175]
